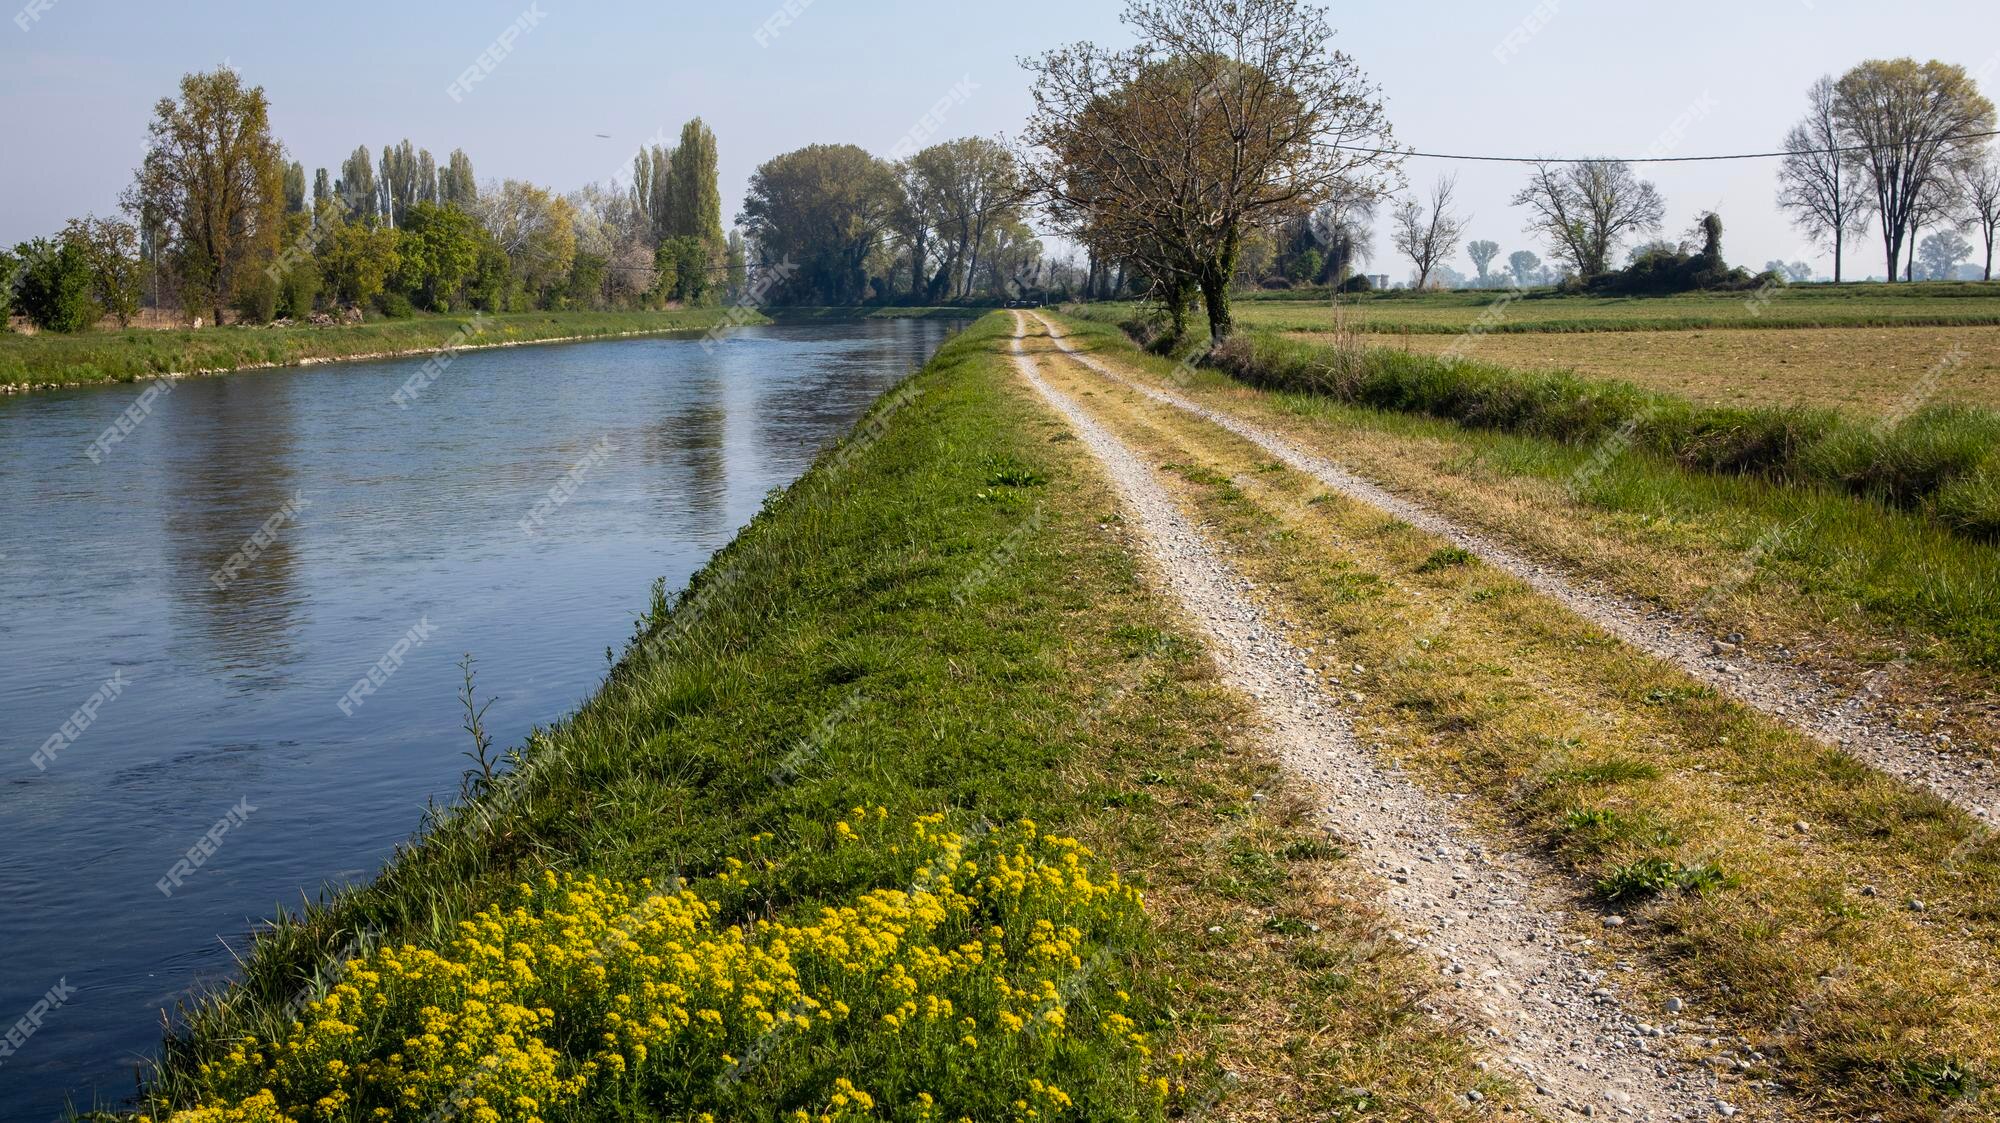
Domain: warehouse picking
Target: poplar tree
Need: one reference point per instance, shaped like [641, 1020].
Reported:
[356, 185]
[455, 184]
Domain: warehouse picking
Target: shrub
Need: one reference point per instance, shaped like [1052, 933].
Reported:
[257, 299]
[55, 284]
[1357, 283]
[984, 975]
[394, 305]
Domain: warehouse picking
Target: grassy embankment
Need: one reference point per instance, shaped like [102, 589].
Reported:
[1842, 921]
[1937, 304]
[125, 356]
[1940, 460]
[942, 621]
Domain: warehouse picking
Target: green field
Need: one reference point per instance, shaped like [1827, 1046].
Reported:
[1543, 310]
[47, 359]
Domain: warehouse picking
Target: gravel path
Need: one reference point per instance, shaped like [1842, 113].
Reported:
[1499, 935]
[1791, 694]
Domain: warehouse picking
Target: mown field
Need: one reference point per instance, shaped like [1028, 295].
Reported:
[125, 356]
[1542, 310]
[1864, 371]
[876, 684]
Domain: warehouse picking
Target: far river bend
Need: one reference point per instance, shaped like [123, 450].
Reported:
[217, 695]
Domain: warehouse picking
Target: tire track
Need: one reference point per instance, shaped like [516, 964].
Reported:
[1789, 694]
[1490, 918]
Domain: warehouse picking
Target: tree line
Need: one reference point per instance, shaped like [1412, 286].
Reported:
[219, 224]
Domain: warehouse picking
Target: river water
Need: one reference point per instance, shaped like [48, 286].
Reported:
[229, 646]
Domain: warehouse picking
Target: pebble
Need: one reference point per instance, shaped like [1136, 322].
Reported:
[1614, 921]
[1675, 1006]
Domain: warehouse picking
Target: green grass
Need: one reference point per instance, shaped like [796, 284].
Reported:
[784, 314]
[1544, 310]
[879, 636]
[125, 356]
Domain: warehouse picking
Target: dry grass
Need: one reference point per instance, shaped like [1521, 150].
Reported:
[1864, 371]
[1602, 757]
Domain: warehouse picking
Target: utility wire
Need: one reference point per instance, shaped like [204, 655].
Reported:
[1636, 159]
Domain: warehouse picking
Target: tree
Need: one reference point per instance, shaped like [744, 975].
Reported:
[1226, 113]
[356, 187]
[295, 188]
[536, 230]
[438, 251]
[1482, 253]
[110, 250]
[10, 268]
[213, 184]
[823, 208]
[1940, 253]
[409, 177]
[1981, 192]
[1428, 234]
[1816, 179]
[1794, 272]
[1526, 267]
[1914, 124]
[358, 258]
[695, 208]
[962, 189]
[456, 187]
[652, 190]
[738, 265]
[53, 289]
[323, 192]
[1306, 266]
[1585, 208]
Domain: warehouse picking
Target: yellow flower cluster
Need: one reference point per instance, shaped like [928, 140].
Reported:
[972, 984]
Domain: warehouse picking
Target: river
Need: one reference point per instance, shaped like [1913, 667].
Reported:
[229, 643]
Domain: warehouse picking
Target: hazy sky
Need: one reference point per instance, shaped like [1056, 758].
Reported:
[1593, 78]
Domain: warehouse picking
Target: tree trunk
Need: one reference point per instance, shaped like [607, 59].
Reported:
[1180, 301]
[1836, 255]
[1215, 289]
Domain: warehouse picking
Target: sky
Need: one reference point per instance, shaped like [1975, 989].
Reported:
[1500, 77]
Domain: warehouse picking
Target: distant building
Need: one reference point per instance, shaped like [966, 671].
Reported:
[1379, 280]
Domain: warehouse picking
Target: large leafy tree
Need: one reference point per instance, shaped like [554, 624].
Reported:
[356, 259]
[1585, 208]
[959, 190]
[536, 229]
[213, 183]
[824, 209]
[439, 250]
[1915, 129]
[1226, 114]
[53, 287]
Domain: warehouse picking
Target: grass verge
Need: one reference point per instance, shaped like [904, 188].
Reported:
[48, 359]
[940, 619]
[1822, 914]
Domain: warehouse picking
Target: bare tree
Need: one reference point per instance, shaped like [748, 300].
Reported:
[1429, 234]
[1227, 112]
[1913, 125]
[1980, 188]
[1584, 208]
[1817, 181]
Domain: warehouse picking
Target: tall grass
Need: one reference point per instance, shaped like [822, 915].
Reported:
[1940, 460]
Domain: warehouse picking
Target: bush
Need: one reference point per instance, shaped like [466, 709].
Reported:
[298, 291]
[1357, 283]
[978, 976]
[394, 305]
[55, 285]
[257, 299]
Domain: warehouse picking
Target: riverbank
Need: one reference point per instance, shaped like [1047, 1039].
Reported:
[886, 636]
[785, 315]
[48, 361]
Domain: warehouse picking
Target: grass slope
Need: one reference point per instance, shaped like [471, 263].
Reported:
[940, 618]
[125, 356]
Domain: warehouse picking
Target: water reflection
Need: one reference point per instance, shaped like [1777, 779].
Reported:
[415, 515]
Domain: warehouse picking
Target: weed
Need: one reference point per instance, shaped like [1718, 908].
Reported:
[1446, 557]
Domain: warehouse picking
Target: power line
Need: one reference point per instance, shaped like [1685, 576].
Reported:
[1636, 159]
